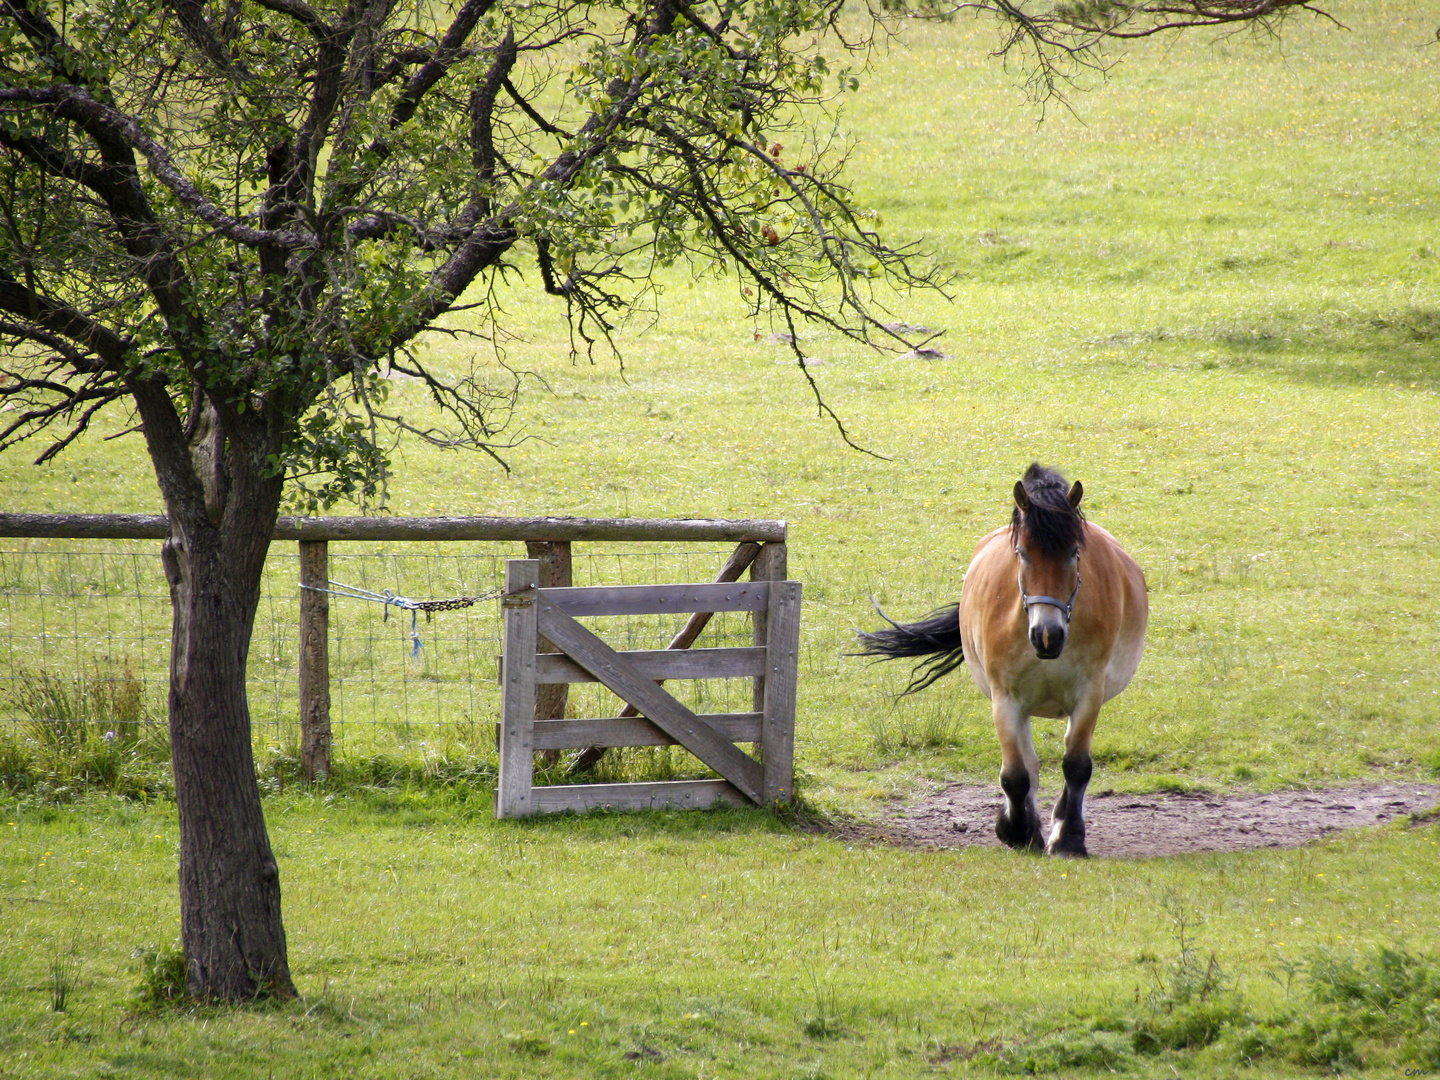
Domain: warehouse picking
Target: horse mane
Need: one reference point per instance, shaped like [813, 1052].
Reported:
[1052, 524]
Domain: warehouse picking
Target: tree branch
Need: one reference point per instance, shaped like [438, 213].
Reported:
[539, 121]
[100, 120]
[434, 69]
[57, 318]
[191, 16]
[302, 13]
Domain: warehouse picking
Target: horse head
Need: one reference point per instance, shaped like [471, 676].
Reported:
[1047, 531]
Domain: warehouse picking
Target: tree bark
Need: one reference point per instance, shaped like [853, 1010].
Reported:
[230, 922]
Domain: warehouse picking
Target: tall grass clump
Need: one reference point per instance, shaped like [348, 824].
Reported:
[64, 973]
[162, 976]
[94, 731]
[1366, 1008]
[1191, 1000]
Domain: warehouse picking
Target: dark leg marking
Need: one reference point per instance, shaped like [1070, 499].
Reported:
[1018, 825]
[1070, 808]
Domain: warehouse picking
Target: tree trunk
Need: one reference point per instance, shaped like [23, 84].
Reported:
[230, 921]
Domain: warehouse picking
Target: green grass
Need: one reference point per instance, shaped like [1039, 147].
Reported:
[1214, 298]
[430, 941]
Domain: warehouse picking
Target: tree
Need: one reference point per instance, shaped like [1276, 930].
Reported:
[234, 217]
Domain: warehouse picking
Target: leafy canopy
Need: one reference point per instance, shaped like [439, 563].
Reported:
[244, 213]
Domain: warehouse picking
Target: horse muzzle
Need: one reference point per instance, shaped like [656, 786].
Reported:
[1048, 638]
[1048, 619]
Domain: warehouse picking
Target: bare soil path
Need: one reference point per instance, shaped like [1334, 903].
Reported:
[1141, 826]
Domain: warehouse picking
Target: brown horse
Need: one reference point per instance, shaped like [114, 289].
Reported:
[1051, 623]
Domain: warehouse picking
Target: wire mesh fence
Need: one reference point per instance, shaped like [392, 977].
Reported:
[80, 620]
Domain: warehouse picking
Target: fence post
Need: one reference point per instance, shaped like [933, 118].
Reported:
[517, 701]
[769, 565]
[556, 571]
[315, 737]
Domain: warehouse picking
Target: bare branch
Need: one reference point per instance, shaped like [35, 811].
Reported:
[529, 110]
[50, 315]
[66, 351]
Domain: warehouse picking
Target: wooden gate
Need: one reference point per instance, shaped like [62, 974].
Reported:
[654, 717]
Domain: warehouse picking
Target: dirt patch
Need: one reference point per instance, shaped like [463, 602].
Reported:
[1140, 826]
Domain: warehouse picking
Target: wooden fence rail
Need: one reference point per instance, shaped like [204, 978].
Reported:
[548, 540]
[530, 530]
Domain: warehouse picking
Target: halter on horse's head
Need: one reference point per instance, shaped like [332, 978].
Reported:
[1047, 531]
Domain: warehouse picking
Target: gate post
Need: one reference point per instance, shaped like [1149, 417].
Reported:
[315, 734]
[769, 565]
[517, 702]
[782, 658]
[556, 571]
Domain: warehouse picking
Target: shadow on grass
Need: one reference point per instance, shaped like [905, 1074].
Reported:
[1326, 349]
[799, 818]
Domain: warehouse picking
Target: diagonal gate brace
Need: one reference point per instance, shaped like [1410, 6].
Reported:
[654, 703]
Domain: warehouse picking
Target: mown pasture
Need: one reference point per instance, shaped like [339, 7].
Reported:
[1211, 295]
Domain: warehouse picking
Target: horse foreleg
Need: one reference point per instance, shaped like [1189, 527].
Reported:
[1067, 828]
[1019, 822]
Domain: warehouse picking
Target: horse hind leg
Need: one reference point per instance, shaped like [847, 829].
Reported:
[1067, 828]
[1018, 824]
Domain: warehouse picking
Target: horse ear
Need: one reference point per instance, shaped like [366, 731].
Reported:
[1077, 492]
[1022, 500]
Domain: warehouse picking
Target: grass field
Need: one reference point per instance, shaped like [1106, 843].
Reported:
[1213, 296]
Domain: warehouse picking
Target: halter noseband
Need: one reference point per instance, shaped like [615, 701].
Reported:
[1067, 606]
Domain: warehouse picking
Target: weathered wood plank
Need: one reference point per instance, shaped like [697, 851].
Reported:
[680, 794]
[636, 731]
[155, 527]
[634, 687]
[770, 565]
[315, 733]
[782, 656]
[661, 599]
[517, 700]
[741, 662]
[86, 526]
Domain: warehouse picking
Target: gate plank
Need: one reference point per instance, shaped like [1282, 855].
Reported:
[687, 794]
[728, 663]
[636, 731]
[661, 599]
[743, 555]
[659, 707]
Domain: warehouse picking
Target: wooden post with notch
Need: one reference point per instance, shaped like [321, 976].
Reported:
[556, 571]
[517, 712]
[315, 736]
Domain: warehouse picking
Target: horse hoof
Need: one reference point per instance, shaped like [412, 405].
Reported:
[1021, 839]
[1068, 847]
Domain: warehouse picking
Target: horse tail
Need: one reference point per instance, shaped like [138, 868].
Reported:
[936, 636]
